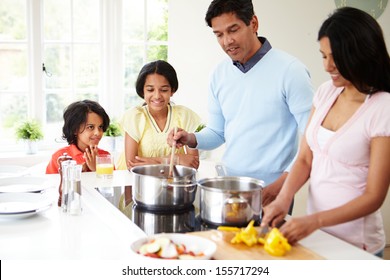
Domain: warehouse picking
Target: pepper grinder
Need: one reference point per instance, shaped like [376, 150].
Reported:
[60, 160]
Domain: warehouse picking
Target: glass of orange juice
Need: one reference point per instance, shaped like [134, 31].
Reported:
[104, 166]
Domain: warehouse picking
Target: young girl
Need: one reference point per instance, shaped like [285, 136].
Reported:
[146, 127]
[84, 124]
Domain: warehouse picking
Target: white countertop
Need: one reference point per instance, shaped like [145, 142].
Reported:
[103, 232]
[100, 232]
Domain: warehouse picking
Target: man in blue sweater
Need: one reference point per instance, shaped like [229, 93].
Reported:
[259, 99]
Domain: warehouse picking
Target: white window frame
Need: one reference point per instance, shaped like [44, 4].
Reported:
[112, 91]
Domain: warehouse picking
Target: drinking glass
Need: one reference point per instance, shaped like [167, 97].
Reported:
[104, 166]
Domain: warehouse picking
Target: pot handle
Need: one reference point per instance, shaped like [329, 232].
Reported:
[221, 169]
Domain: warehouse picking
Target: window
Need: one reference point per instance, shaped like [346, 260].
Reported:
[54, 52]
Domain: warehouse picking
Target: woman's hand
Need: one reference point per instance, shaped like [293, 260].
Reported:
[299, 227]
[90, 158]
[275, 212]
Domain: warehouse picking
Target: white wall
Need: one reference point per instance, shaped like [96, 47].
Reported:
[291, 25]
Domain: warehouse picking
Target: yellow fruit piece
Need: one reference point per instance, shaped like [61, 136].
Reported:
[276, 244]
[226, 228]
[261, 240]
[247, 235]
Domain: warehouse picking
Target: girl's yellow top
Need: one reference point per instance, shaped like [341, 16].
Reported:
[139, 124]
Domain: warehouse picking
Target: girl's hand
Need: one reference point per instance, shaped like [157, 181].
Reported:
[141, 161]
[90, 157]
[189, 160]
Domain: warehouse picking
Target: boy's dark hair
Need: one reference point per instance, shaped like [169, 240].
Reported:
[242, 8]
[358, 49]
[76, 114]
[160, 67]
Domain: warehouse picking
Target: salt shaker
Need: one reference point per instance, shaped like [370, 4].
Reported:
[71, 187]
[60, 160]
[74, 188]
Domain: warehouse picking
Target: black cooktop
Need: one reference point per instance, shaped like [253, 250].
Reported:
[154, 221]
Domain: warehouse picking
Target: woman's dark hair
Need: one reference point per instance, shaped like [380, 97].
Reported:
[358, 49]
[160, 67]
[242, 8]
[76, 114]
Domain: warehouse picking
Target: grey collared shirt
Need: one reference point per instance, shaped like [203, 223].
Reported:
[266, 46]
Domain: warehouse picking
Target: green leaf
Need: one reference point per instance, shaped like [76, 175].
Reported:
[30, 129]
[200, 127]
[113, 129]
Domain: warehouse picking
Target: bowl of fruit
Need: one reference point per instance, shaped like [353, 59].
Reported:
[177, 246]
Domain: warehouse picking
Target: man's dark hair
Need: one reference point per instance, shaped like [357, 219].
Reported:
[242, 8]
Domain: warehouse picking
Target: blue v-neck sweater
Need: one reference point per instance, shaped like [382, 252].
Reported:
[258, 114]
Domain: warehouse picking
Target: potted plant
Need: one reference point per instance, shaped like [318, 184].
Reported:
[200, 127]
[30, 132]
[113, 135]
[203, 154]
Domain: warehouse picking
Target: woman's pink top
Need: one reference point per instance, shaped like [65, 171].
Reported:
[340, 168]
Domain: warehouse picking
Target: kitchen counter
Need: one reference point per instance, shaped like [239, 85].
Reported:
[103, 232]
[100, 232]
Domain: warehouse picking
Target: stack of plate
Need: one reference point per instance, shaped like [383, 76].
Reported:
[7, 171]
[23, 196]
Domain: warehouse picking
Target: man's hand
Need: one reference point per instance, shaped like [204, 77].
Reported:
[182, 138]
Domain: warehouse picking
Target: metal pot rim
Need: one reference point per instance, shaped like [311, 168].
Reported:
[155, 165]
[164, 180]
[244, 179]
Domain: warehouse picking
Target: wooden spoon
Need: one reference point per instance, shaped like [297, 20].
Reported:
[170, 174]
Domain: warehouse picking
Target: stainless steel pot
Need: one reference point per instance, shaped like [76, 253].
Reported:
[153, 189]
[152, 222]
[232, 201]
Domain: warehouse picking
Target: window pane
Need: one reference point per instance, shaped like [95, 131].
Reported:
[157, 52]
[57, 19]
[86, 20]
[86, 65]
[132, 99]
[133, 62]
[133, 20]
[55, 104]
[57, 63]
[89, 94]
[13, 108]
[157, 20]
[13, 20]
[13, 70]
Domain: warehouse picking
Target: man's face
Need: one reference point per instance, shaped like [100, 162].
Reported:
[237, 39]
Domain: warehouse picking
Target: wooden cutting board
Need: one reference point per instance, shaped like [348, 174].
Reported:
[228, 251]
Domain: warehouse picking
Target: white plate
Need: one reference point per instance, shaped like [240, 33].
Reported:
[193, 243]
[12, 170]
[22, 184]
[16, 205]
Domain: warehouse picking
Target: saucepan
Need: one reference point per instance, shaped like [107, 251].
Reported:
[155, 190]
[230, 200]
[152, 222]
